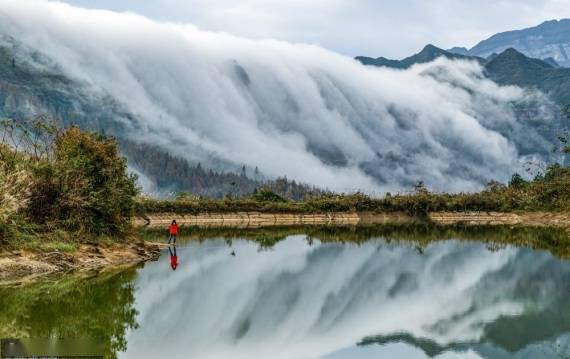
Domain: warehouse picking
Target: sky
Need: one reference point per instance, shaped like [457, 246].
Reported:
[352, 27]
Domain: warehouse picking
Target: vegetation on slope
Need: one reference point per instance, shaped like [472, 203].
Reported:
[174, 174]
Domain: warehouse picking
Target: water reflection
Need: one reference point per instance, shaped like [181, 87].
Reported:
[300, 301]
[72, 307]
[173, 257]
[289, 295]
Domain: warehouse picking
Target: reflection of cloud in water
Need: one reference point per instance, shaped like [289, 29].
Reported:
[300, 301]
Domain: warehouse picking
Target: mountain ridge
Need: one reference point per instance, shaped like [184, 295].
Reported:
[509, 67]
[550, 39]
[427, 54]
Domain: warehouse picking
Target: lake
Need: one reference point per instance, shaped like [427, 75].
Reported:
[293, 295]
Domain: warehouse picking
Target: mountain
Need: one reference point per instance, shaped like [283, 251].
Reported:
[514, 68]
[549, 39]
[551, 62]
[510, 67]
[293, 110]
[428, 54]
[459, 51]
[30, 86]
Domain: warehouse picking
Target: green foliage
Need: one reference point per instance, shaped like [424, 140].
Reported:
[549, 192]
[517, 181]
[62, 180]
[85, 187]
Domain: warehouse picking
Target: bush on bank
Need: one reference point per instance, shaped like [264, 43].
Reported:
[54, 180]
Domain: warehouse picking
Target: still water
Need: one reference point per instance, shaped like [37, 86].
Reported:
[302, 298]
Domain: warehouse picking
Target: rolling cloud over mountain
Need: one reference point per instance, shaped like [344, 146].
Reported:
[291, 109]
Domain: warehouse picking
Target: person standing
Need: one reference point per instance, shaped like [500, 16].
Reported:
[173, 231]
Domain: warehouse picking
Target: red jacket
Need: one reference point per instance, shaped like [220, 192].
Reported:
[173, 229]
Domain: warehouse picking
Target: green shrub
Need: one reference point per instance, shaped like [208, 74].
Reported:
[85, 187]
[62, 181]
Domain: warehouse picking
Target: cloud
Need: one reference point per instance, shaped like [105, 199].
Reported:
[292, 109]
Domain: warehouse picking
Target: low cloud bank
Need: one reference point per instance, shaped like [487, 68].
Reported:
[293, 109]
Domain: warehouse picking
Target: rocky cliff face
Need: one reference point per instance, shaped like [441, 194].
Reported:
[549, 39]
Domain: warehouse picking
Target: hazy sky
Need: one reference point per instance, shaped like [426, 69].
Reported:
[352, 27]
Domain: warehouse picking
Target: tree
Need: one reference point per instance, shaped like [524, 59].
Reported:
[517, 181]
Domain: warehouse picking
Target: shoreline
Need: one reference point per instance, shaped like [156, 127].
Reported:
[18, 267]
[262, 219]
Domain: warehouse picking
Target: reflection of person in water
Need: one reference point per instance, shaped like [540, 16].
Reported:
[173, 257]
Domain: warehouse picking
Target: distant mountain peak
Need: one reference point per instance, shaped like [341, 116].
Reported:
[433, 51]
[550, 39]
[429, 53]
[431, 47]
[459, 51]
[512, 52]
[514, 56]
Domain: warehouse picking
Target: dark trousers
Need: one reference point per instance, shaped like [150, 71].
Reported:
[172, 237]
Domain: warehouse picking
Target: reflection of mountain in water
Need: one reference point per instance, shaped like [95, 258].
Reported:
[557, 347]
[300, 301]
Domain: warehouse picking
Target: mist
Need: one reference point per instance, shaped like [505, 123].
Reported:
[290, 109]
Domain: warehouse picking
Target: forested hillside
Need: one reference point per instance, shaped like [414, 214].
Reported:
[173, 174]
